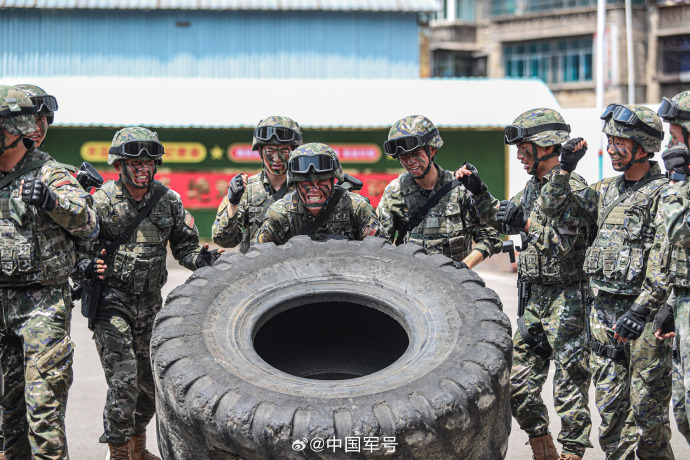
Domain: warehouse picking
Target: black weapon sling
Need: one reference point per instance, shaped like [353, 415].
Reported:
[419, 215]
[325, 212]
[21, 171]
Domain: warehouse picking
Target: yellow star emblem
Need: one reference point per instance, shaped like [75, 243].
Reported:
[217, 153]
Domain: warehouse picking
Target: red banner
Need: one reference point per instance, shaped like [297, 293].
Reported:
[205, 189]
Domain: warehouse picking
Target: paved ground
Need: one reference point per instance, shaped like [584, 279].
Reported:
[87, 396]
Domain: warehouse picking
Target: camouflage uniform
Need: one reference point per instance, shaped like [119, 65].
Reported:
[36, 257]
[352, 217]
[135, 274]
[448, 228]
[552, 264]
[632, 379]
[240, 229]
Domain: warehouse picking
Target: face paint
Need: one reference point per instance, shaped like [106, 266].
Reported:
[39, 135]
[416, 163]
[315, 193]
[619, 151]
[678, 136]
[275, 159]
[138, 173]
[526, 155]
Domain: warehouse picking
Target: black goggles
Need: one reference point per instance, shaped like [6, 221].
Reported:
[265, 133]
[319, 163]
[135, 149]
[622, 114]
[407, 143]
[669, 109]
[45, 105]
[513, 134]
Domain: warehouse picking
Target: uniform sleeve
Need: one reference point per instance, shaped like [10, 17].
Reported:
[74, 211]
[487, 239]
[366, 219]
[184, 237]
[272, 229]
[487, 208]
[676, 213]
[228, 231]
[562, 203]
[389, 221]
[87, 248]
[655, 285]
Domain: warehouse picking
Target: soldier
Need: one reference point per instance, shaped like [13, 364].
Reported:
[240, 214]
[631, 368]
[674, 212]
[46, 105]
[317, 207]
[447, 227]
[553, 288]
[41, 206]
[132, 275]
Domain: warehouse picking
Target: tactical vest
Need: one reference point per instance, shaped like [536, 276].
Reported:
[675, 261]
[620, 251]
[533, 264]
[33, 248]
[444, 229]
[340, 222]
[258, 199]
[139, 263]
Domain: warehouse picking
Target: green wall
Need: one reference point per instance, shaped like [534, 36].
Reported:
[482, 148]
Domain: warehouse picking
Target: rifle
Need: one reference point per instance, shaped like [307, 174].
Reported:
[88, 177]
[351, 183]
[91, 292]
[524, 294]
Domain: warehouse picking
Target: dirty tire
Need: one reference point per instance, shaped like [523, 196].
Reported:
[424, 357]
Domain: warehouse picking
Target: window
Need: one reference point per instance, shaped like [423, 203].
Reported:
[464, 10]
[553, 61]
[458, 64]
[676, 54]
[520, 7]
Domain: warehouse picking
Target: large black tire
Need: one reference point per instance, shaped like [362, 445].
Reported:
[336, 317]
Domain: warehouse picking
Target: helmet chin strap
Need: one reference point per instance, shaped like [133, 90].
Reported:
[537, 160]
[632, 161]
[4, 148]
[126, 178]
[428, 168]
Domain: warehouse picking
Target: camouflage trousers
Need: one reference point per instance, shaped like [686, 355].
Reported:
[122, 334]
[681, 363]
[633, 393]
[561, 312]
[37, 370]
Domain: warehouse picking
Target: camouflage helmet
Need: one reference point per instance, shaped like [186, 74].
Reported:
[544, 127]
[413, 126]
[264, 135]
[135, 133]
[676, 110]
[650, 143]
[17, 112]
[45, 104]
[306, 168]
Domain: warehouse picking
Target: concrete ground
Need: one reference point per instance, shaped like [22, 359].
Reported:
[87, 396]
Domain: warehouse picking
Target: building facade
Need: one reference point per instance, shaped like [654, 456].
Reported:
[554, 40]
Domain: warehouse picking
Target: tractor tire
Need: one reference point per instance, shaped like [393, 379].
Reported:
[335, 349]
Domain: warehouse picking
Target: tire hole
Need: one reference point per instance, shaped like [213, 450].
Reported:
[330, 341]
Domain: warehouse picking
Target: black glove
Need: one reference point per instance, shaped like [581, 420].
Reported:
[206, 258]
[472, 182]
[90, 270]
[570, 157]
[677, 159]
[461, 264]
[235, 190]
[37, 193]
[631, 324]
[510, 214]
[664, 320]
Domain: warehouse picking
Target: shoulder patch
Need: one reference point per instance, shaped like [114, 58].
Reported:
[188, 219]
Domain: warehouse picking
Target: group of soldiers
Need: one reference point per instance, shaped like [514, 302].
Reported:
[595, 268]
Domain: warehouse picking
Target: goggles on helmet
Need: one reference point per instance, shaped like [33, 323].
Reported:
[265, 133]
[45, 105]
[624, 115]
[513, 134]
[134, 149]
[319, 163]
[669, 109]
[407, 143]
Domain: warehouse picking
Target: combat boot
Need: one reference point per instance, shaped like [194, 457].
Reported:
[569, 457]
[119, 451]
[543, 448]
[137, 449]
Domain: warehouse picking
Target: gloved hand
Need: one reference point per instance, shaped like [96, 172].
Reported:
[206, 258]
[677, 158]
[37, 193]
[96, 266]
[461, 264]
[473, 182]
[510, 214]
[631, 324]
[570, 154]
[236, 189]
[664, 320]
